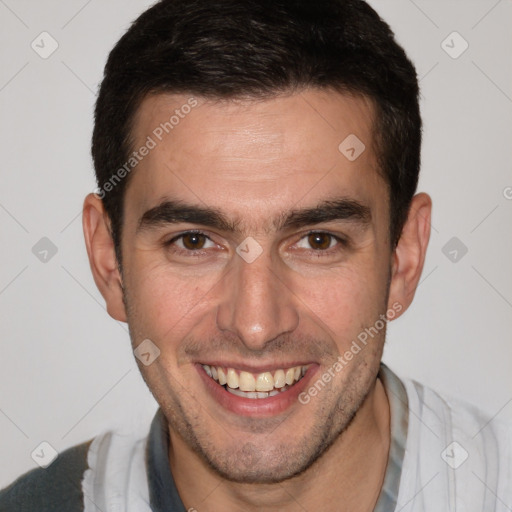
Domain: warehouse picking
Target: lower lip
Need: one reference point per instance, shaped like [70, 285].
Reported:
[256, 407]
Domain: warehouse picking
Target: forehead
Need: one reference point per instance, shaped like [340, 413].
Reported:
[246, 156]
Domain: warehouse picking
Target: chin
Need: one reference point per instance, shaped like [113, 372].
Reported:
[261, 464]
[253, 468]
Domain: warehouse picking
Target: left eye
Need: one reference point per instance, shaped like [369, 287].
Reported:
[193, 241]
[318, 241]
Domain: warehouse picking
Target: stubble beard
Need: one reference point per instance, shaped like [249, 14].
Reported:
[257, 463]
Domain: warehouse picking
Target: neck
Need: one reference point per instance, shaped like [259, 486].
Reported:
[348, 476]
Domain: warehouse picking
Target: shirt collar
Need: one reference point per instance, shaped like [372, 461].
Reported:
[399, 422]
[164, 495]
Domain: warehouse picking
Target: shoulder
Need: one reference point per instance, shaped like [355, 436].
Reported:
[466, 452]
[58, 487]
[461, 417]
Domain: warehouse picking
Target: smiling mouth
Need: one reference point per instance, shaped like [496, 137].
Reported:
[256, 386]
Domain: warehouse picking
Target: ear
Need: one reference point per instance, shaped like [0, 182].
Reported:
[102, 257]
[409, 255]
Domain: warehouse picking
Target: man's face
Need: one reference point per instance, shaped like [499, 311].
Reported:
[252, 292]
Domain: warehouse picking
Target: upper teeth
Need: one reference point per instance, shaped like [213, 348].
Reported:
[246, 381]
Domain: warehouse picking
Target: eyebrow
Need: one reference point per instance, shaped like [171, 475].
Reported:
[176, 212]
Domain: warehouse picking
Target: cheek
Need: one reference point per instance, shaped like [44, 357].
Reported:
[342, 301]
[167, 303]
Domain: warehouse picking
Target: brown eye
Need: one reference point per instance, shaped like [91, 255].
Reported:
[190, 243]
[320, 241]
[193, 241]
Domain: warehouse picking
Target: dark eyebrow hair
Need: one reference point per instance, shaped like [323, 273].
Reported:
[337, 209]
[174, 212]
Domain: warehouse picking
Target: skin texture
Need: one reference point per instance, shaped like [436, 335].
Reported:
[255, 161]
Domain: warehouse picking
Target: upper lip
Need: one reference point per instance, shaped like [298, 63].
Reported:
[260, 368]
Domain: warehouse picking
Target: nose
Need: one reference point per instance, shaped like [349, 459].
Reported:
[257, 304]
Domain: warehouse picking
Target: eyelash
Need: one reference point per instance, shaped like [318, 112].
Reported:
[342, 243]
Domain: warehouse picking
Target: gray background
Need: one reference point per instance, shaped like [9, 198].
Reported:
[67, 368]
